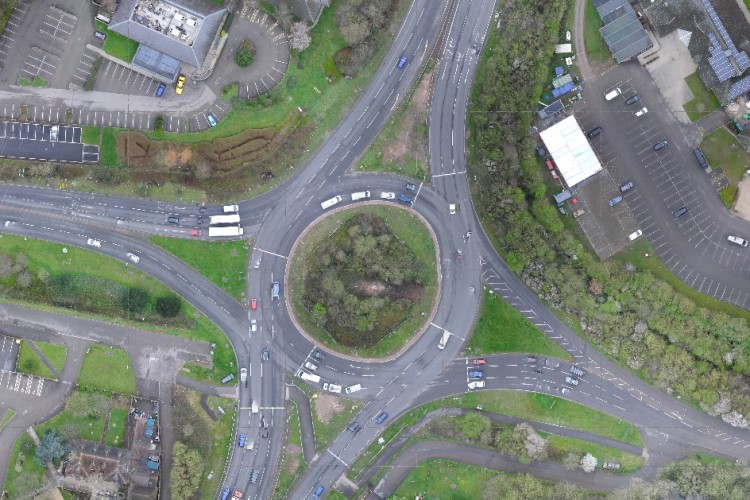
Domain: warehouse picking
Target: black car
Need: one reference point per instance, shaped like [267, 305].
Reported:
[174, 219]
[632, 100]
[202, 209]
[353, 428]
[594, 132]
[266, 354]
[319, 355]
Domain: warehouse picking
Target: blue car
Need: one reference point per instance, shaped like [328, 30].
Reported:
[160, 90]
[614, 201]
[318, 491]
[381, 418]
[225, 494]
[402, 61]
[405, 198]
[241, 442]
[211, 119]
[476, 374]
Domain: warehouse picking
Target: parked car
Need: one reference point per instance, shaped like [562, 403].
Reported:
[594, 132]
[94, 243]
[641, 111]
[180, 84]
[402, 61]
[737, 240]
[476, 384]
[476, 374]
[679, 212]
[196, 232]
[381, 417]
[387, 195]
[635, 235]
[411, 187]
[319, 355]
[614, 201]
[632, 100]
[660, 145]
[211, 119]
[611, 465]
[480, 361]
[626, 187]
[101, 36]
[405, 198]
[160, 90]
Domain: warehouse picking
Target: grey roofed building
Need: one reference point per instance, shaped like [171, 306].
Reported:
[182, 29]
[622, 30]
[550, 110]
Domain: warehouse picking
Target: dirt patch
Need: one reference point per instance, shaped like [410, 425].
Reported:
[291, 463]
[373, 288]
[327, 407]
[742, 204]
[408, 141]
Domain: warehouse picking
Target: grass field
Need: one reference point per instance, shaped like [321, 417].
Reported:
[722, 149]
[108, 154]
[629, 463]
[704, 101]
[410, 230]
[224, 263]
[55, 353]
[21, 465]
[501, 328]
[288, 473]
[596, 49]
[117, 45]
[90, 134]
[107, 368]
[118, 418]
[29, 362]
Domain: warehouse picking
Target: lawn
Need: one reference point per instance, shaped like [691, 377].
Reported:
[55, 353]
[224, 263]
[118, 418]
[596, 49]
[293, 456]
[501, 328]
[22, 465]
[29, 362]
[117, 45]
[108, 154]
[410, 230]
[9, 414]
[73, 417]
[722, 149]
[107, 368]
[704, 101]
[36, 82]
[90, 134]
[629, 463]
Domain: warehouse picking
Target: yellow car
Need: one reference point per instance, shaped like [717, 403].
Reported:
[180, 84]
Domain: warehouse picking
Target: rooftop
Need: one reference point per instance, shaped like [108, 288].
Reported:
[571, 151]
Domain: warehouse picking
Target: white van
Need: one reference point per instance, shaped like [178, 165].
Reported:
[308, 376]
[329, 203]
[444, 340]
[230, 209]
[353, 388]
[612, 94]
[363, 195]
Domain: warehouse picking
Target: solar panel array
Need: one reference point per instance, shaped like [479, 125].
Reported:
[719, 61]
[738, 88]
[740, 57]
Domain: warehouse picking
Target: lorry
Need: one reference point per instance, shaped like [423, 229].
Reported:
[224, 219]
[231, 209]
[309, 377]
[232, 230]
[444, 340]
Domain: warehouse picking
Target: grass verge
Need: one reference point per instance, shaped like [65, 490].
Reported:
[410, 230]
[29, 362]
[342, 414]
[55, 353]
[90, 134]
[36, 82]
[107, 368]
[292, 463]
[704, 101]
[118, 418]
[629, 463]
[22, 468]
[596, 49]
[224, 263]
[117, 45]
[722, 149]
[108, 153]
[501, 328]
[7, 417]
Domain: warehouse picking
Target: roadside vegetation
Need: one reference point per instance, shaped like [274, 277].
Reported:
[596, 48]
[101, 359]
[696, 349]
[293, 463]
[202, 442]
[29, 362]
[7, 417]
[500, 328]
[6, 9]
[704, 101]
[37, 81]
[223, 263]
[400, 264]
[330, 414]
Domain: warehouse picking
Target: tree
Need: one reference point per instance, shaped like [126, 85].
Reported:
[28, 482]
[588, 463]
[571, 460]
[187, 470]
[169, 306]
[245, 54]
[474, 425]
[299, 38]
[51, 447]
[134, 299]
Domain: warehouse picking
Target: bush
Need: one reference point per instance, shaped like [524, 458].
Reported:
[168, 307]
[159, 126]
[52, 447]
[245, 54]
[134, 299]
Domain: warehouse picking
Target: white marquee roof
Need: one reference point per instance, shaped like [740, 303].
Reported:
[571, 151]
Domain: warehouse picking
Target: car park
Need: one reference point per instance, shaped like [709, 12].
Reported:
[632, 100]
[242, 440]
[594, 132]
[387, 195]
[635, 235]
[614, 201]
[480, 361]
[641, 111]
[476, 384]
[476, 374]
[180, 84]
[737, 240]
[452, 208]
[405, 198]
[381, 417]
[211, 119]
[626, 187]
[660, 145]
[266, 354]
[94, 243]
[133, 257]
[411, 187]
[196, 232]
[402, 61]
[160, 90]
[253, 303]
[679, 212]
[353, 428]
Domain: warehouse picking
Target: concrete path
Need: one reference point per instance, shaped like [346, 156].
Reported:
[305, 420]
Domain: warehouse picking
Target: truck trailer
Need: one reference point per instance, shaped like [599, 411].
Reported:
[233, 230]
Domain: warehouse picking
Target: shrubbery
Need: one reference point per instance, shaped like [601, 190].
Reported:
[245, 54]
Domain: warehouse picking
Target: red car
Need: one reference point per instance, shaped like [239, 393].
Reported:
[253, 303]
[480, 361]
[196, 232]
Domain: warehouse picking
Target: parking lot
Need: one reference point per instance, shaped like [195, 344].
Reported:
[113, 77]
[45, 142]
[12, 29]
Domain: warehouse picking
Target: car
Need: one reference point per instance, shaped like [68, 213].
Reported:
[94, 243]
[635, 235]
[626, 187]
[411, 187]
[211, 119]
[353, 428]
[253, 303]
[196, 232]
[552, 363]
[611, 465]
[257, 264]
[452, 208]
[174, 219]
[101, 36]
[160, 90]
[334, 388]
[737, 240]
[254, 476]
[353, 388]
[594, 132]
[200, 220]
[480, 361]
[405, 198]
[275, 290]
[310, 366]
[265, 354]
[387, 195]
[641, 111]
[202, 209]
[564, 390]
[318, 491]
[632, 100]
[614, 201]
[263, 422]
[476, 374]
[241, 442]
[381, 417]
[476, 384]
[577, 371]
[319, 355]
[225, 494]
[253, 325]
[531, 359]
[243, 375]
[679, 212]
[402, 61]
[180, 84]
[133, 257]
[660, 145]
[571, 380]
